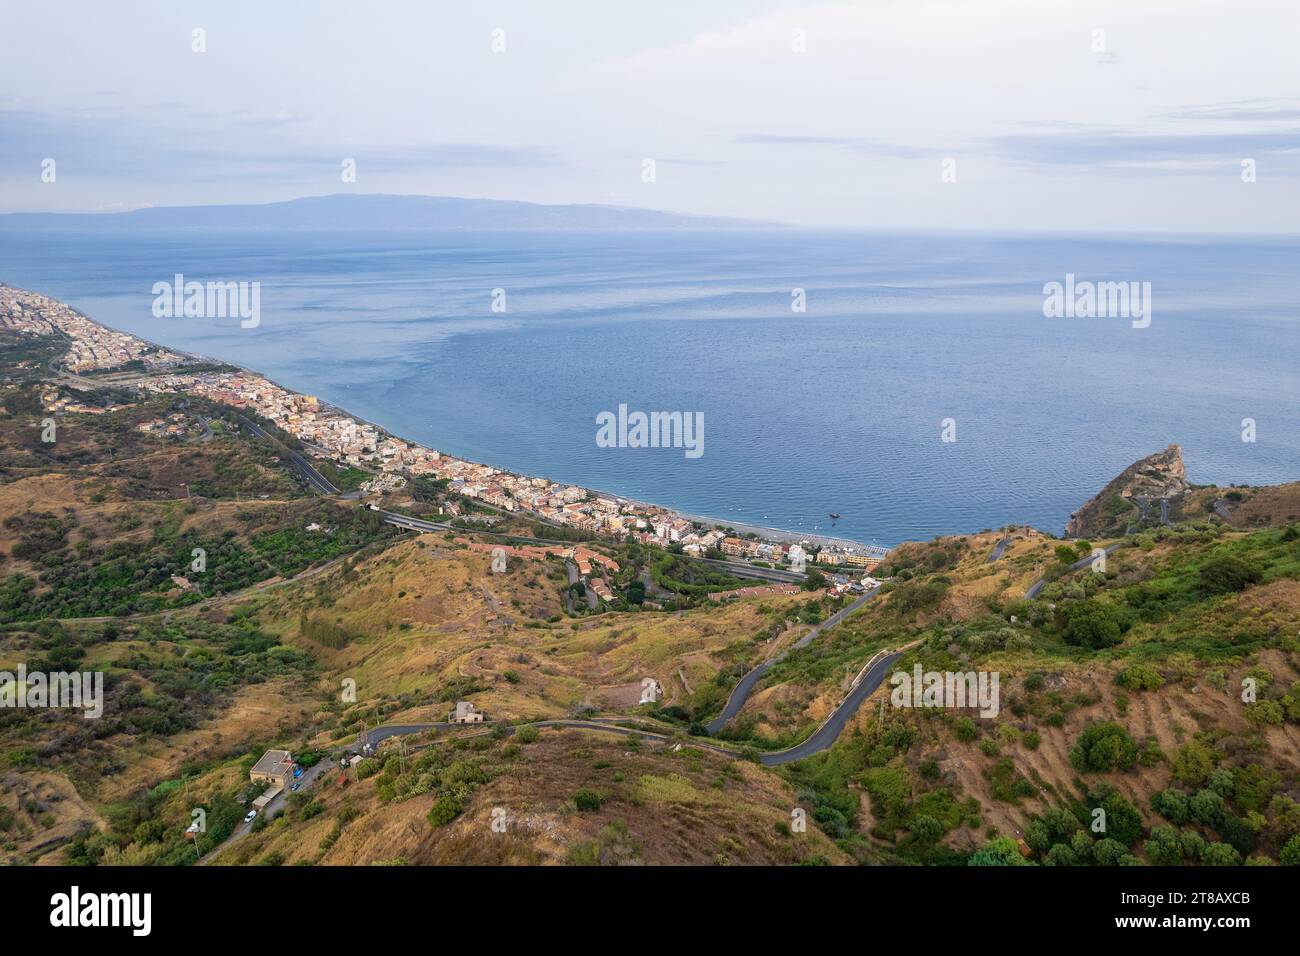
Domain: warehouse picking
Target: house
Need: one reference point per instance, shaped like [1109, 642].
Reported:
[275, 767]
[465, 713]
[733, 546]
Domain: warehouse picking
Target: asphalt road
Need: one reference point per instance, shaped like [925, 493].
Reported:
[998, 549]
[829, 732]
[821, 739]
[1081, 563]
[298, 460]
[742, 569]
[742, 690]
[276, 805]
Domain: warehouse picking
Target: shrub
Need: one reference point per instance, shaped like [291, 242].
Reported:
[1264, 712]
[1193, 763]
[1000, 851]
[964, 730]
[1151, 753]
[1141, 677]
[588, 801]
[447, 808]
[1227, 574]
[527, 734]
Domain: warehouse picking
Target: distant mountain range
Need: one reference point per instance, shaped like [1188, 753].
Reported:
[376, 211]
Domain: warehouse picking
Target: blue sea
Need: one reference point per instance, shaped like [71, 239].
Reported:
[836, 409]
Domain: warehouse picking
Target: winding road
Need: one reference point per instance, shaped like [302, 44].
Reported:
[869, 678]
[998, 550]
[820, 739]
[740, 693]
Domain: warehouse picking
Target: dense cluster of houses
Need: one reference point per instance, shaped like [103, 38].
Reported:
[345, 439]
[91, 347]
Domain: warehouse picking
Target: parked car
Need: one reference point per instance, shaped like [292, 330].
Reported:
[297, 771]
[294, 788]
[248, 817]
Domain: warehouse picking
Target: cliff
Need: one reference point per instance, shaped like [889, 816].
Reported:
[1133, 496]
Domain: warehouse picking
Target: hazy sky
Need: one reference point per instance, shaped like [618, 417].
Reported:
[1051, 123]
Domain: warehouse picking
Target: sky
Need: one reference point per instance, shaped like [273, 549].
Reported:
[1059, 115]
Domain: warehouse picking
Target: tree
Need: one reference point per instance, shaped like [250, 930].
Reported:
[1108, 852]
[1170, 804]
[1062, 855]
[1290, 854]
[1221, 854]
[1206, 807]
[1240, 833]
[1123, 822]
[1102, 747]
[1193, 844]
[1093, 623]
[813, 581]
[1163, 847]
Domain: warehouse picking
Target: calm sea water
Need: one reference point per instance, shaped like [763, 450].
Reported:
[838, 409]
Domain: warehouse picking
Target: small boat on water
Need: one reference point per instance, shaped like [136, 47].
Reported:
[834, 516]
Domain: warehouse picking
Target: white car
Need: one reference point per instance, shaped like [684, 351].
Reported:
[248, 817]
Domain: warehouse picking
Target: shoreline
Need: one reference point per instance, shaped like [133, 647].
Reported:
[782, 535]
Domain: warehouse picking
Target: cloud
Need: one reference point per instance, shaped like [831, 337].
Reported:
[856, 144]
[1116, 148]
[221, 147]
[1252, 110]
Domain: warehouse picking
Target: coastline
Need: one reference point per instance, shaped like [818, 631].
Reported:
[781, 535]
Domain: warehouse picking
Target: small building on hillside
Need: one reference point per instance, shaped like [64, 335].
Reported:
[275, 767]
[465, 713]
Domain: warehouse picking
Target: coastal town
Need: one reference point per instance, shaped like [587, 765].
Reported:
[330, 432]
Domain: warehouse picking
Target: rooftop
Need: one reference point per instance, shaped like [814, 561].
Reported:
[273, 761]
